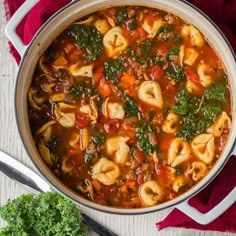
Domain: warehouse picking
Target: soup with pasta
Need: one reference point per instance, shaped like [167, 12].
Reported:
[130, 106]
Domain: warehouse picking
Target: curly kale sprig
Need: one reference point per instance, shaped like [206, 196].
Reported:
[46, 214]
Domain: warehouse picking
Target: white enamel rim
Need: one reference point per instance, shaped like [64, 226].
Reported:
[54, 26]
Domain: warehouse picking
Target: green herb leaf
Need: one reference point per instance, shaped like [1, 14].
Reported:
[176, 73]
[217, 90]
[130, 106]
[99, 139]
[88, 38]
[172, 52]
[144, 132]
[112, 67]
[45, 214]
[121, 15]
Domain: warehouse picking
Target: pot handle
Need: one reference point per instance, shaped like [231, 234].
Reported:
[206, 218]
[10, 29]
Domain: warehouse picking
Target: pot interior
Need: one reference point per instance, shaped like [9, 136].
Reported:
[60, 21]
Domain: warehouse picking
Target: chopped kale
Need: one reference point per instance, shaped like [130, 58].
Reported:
[145, 132]
[88, 157]
[121, 15]
[53, 143]
[112, 69]
[89, 39]
[176, 73]
[197, 114]
[132, 24]
[99, 139]
[81, 88]
[130, 106]
[217, 91]
[171, 52]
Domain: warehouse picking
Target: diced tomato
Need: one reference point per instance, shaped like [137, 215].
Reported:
[98, 74]
[153, 139]
[138, 155]
[163, 49]
[156, 73]
[160, 170]
[140, 179]
[170, 87]
[191, 75]
[82, 121]
[112, 125]
[139, 33]
[131, 91]
[141, 106]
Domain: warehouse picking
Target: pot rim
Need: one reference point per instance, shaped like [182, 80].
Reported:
[57, 185]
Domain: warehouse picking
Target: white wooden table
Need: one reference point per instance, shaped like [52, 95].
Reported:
[10, 142]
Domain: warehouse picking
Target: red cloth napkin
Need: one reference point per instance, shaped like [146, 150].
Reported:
[223, 13]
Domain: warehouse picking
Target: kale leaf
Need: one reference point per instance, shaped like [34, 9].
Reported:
[89, 39]
[145, 132]
[45, 214]
[130, 106]
[172, 52]
[176, 72]
[217, 90]
[81, 88]
[121, 15]
[99, 139]
[197, 114]
[112, 69]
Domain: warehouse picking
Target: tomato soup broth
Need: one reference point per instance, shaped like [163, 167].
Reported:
[130, 106]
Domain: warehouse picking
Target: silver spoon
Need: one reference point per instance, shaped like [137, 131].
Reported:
[21, 174]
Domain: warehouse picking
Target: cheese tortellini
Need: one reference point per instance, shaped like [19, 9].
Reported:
[117, 146]
[197, 170]
[150, 193]
[113, 110]
[114, 41]
[105, 171]
[203, 147]
[179, 152]
[170, 124]
[78, 70]
[91, 110]
[204, 72]
[66, 119]
[102, 26]
[152, 26]
[150, 93]
[187, 56]
[220, 125]
[196, 37]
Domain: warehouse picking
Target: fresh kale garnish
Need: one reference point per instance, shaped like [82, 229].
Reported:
[171, 52]
[130, 106]
[145, 132]
[182, 106]
[217, 91]
[45, 214]
[99, 139]
[54, 143]
[112, 69]
[197, 114]
[176, 72]
[121, 15]
[81, 88]
[89, 39]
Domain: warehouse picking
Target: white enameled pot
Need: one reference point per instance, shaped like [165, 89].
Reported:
[60, 21]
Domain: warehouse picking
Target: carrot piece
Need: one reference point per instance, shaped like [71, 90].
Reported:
[69, 47]
[96, 184]
[124, 188]
[60, 61]
[128, 79]
[104, 89]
